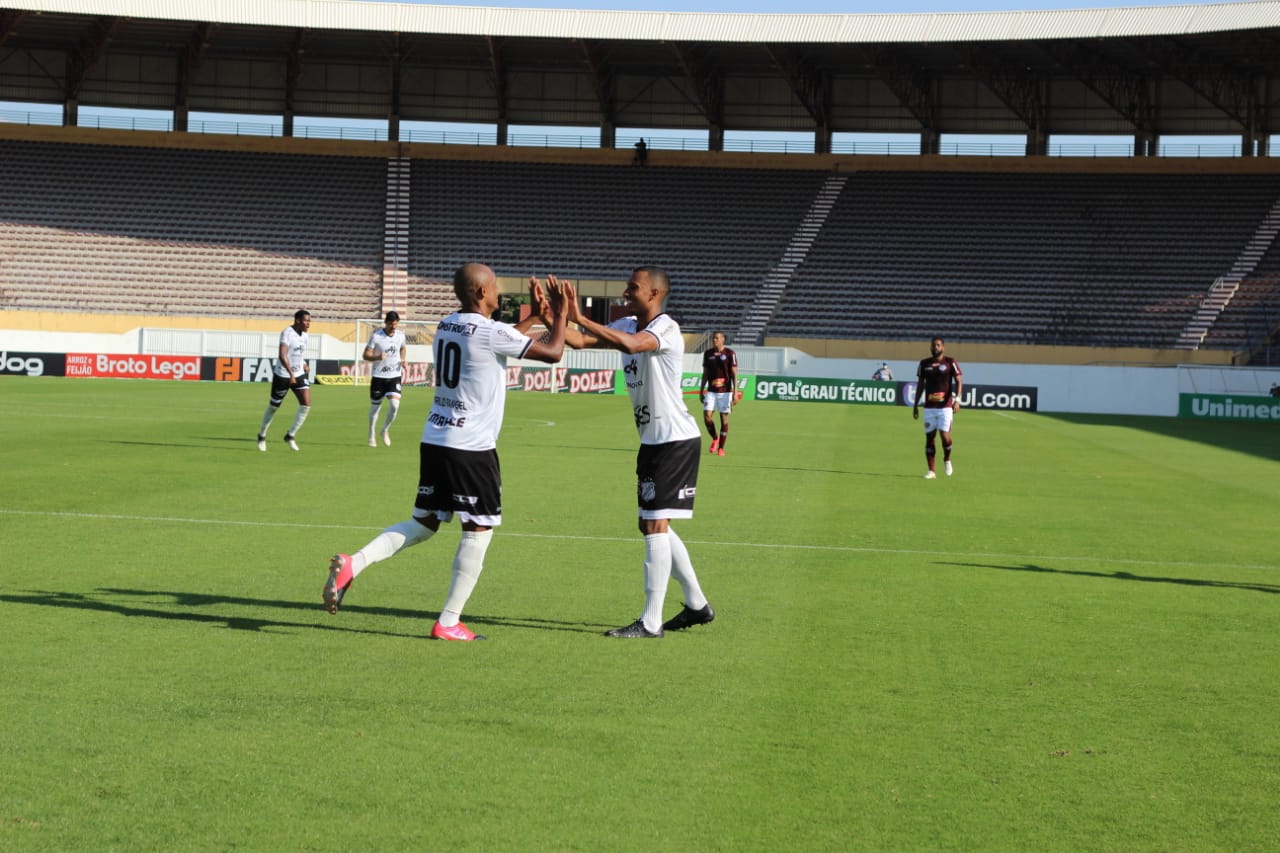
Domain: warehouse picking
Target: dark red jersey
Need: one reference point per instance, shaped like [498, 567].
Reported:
[719, 369]
[937, 378]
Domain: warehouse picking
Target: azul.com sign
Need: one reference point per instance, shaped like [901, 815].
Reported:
[1221, 407]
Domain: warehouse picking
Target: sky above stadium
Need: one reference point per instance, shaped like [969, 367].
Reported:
[846, 7]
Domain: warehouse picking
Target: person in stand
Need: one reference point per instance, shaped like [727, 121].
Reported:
[642, 153]
[458, 471]
[719, 390]
[670, 445]
[883, 373]
[939, 382]
[290, 375]
[386, 350]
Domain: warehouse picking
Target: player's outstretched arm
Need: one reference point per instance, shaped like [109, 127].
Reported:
[601, 335]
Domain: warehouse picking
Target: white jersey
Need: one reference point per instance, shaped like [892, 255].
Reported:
[653, 383]
[389, 346]
[297, 344]
[471, 381]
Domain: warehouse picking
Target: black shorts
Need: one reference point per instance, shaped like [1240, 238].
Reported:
[381, 387]
[280, 387]
[466, 482]
[667, 478]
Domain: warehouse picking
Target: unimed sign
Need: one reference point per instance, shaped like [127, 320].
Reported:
[1224, 407]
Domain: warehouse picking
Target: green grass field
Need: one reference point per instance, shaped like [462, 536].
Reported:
[1072, 644]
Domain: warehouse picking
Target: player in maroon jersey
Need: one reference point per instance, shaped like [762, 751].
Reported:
[719, 389]
[939, 382]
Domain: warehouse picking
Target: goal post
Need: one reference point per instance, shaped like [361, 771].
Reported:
[418, 337]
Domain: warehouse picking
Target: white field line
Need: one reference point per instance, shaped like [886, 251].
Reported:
[777, 546]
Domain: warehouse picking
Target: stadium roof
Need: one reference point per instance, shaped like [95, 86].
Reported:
[691, 26]
[1145, 71]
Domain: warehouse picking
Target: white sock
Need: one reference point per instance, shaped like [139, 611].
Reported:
[467, 565]
[373, 417]
[266, 418]
[299, 419]
[393, 409]
[390, 542]
[657, 574]
[682, 571]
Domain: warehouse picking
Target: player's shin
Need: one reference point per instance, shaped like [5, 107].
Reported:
[682, 571]
[657, 574]
[299, 419]
[468, 562]
[267, 417]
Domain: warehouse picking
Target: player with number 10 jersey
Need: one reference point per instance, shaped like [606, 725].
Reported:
[471, 353]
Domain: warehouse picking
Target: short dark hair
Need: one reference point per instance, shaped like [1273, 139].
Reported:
[392, 317]
[300, 313]
[658, 274]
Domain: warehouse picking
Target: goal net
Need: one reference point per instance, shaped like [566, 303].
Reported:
[418, 337]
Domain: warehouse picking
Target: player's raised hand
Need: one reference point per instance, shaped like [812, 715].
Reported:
[572, 308]
[555, 294]
[538, 298]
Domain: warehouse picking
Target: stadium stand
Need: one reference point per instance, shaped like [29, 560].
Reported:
[1254, 312]
[166, 231]
[718, 231]
[1113, 260]
[1015, 256]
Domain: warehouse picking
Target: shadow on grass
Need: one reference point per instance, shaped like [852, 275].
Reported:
[116, 601]
[1125, 576]
[252, 443]
[1254, 438]
[793, 469]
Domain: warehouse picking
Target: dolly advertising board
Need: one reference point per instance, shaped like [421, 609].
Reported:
[566, 380]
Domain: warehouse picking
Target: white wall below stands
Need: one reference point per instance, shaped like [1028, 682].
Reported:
[1079, 389]
[1082, 389]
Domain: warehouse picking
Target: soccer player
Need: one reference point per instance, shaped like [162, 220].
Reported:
[290, 375]
[386, 349]
[719, 389]
[458, 471]
[939, 382]
[670, 444]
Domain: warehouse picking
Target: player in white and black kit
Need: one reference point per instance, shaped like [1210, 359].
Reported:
[458, 471]
[670, 443]
[290, 375]
[386, 349]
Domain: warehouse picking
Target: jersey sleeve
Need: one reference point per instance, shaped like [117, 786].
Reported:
[508, 341]
[665, 330]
